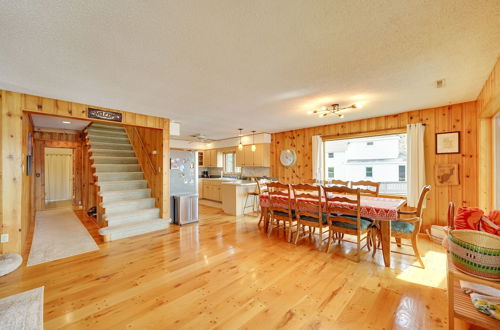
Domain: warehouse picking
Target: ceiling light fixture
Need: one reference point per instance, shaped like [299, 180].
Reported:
[66, 122]
[253, 141]
[240, 146]
[334, 109]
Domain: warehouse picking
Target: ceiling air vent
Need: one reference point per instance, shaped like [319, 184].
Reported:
[440, 83]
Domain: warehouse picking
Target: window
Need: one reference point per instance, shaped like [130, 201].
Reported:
[402, 173]
[330, 155]
[230, 163]
[379, 158]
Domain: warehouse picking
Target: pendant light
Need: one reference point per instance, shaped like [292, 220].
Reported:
[240, 146]
[253, 141]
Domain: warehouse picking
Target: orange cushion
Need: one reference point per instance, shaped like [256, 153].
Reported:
[468, 218]
[493, 216]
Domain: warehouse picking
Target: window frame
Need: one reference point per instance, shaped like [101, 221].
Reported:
[224, 154]
[371, 171]
[346, 136]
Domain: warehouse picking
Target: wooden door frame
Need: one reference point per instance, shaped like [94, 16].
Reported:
[39, 170]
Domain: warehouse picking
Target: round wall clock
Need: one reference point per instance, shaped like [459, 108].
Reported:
[288, 157]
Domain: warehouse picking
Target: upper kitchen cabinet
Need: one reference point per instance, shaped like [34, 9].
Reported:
[212, 158]
[259, 158]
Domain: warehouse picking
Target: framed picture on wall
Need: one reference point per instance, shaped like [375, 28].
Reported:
[448, 143]
[447, 174]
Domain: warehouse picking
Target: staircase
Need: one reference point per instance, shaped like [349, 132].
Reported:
[129, 209]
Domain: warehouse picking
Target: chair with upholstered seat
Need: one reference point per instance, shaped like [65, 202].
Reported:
[308, 210]
[343, 208]
[280, 207]
[368, 188]
[408, 224]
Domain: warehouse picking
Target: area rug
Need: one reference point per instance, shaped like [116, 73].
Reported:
[58, 234]
[22, 311]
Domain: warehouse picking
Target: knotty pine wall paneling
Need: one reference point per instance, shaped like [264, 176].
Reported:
[13, 105]
[144, 141]
[28, 190]
[458, 117]
[11, 130]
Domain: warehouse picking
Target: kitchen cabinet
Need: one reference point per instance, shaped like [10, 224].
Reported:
[212, 190]
[261, 157]
[240, 157]
[212, 158]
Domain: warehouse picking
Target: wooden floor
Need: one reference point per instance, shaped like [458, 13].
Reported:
[225, 273]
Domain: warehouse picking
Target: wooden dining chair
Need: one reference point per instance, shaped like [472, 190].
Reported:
[280, 207]
[369, 188]
[343, 215]
[262, 189]
[339, 183]
[408, 224]
[309, 210]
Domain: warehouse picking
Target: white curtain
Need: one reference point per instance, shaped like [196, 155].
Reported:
[415, 162]
[317, 158]
[58, 174]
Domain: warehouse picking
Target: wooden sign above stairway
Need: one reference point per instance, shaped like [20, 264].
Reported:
[104, 115]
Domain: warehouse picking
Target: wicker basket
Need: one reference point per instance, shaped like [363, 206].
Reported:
[476, 253]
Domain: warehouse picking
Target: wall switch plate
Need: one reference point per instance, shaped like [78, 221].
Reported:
[4, 238]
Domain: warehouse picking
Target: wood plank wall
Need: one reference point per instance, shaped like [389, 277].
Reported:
[458, 117]
[28, 187]
[13, 106]
[145, 141]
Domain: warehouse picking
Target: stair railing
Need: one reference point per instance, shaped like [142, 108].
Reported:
[143, 147]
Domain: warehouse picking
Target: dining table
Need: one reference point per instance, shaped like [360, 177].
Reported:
[381, 209]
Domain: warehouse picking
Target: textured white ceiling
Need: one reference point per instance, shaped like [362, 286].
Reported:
[215, 66]
[58, 122]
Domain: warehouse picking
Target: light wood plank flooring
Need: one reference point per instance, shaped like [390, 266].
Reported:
[225, 273]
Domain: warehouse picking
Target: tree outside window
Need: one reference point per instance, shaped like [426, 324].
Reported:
[331, 172]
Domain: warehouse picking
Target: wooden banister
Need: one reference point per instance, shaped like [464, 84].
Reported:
[145, 151]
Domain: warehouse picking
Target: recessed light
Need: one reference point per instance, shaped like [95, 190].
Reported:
[66, 122]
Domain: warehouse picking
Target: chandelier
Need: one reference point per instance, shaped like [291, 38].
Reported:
[334, 109]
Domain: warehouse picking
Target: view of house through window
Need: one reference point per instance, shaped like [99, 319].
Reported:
[377, 158]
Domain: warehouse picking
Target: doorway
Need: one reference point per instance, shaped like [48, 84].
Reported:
[59, 177]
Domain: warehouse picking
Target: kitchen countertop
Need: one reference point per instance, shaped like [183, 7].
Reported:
[240, 183]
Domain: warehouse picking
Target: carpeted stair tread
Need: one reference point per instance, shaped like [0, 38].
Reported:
[118, 195]
[112, 168]
[107, 126]
[101, 159]
[126, 205]
[106, 186]
[111, 152]
[102, 132]
[134, 228]
[119, 176]
[132, 216]
[107, 139]
[112, 146]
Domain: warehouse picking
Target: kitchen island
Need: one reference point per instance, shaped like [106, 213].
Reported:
[234, 195]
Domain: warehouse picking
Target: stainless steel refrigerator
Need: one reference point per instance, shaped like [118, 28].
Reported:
[184, 186]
